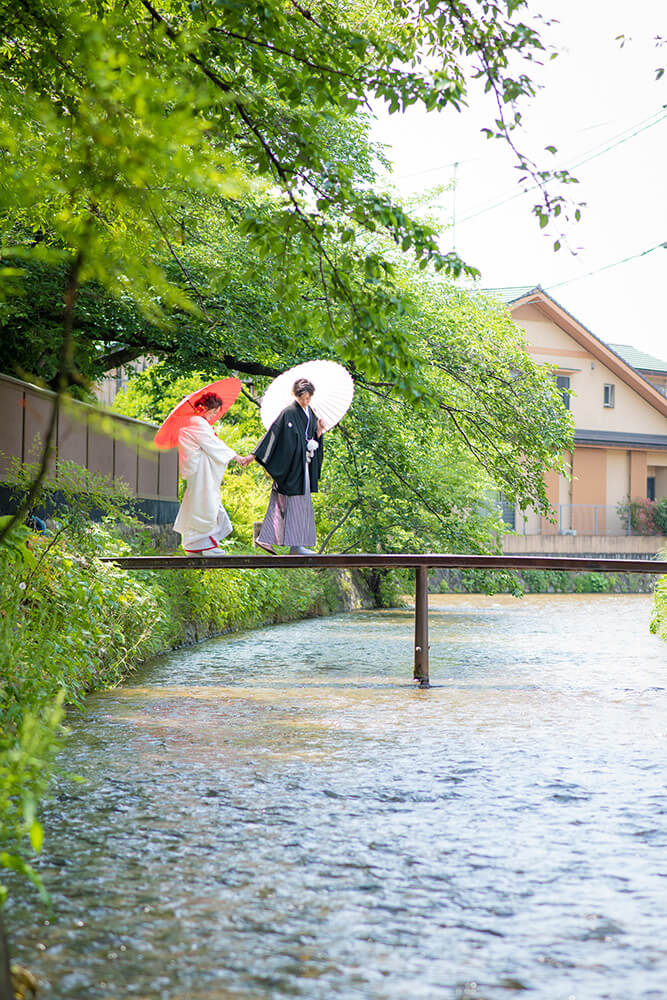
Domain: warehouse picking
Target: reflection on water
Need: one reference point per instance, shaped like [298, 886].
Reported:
[281, 814]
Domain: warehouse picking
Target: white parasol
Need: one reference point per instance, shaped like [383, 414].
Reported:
[331, 400]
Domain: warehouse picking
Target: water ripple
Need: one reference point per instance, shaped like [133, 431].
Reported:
[259, 823]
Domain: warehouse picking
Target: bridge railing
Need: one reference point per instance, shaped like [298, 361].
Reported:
[591, 519]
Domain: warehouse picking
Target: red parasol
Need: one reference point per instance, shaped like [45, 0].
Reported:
[167, 434]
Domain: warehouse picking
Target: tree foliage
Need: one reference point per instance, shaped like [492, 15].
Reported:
[198, 182]
[122, 117]
[487, 418]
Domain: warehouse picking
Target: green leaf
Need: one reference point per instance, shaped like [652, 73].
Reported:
[36, 836]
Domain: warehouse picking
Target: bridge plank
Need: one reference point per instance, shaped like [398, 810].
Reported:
[391, 560]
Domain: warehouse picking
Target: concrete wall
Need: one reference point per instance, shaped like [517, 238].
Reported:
[107, 443]
[623, 546]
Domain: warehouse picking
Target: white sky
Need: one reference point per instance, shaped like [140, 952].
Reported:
[594, 94]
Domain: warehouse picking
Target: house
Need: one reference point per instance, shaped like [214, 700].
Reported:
[617, 396]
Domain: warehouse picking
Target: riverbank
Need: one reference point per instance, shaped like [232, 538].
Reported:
[540, 581]
[71, 625]
[82, 625]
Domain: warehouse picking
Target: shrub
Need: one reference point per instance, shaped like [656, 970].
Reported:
[660, 515]
[659, 616]
[594, 583]
[646, 517]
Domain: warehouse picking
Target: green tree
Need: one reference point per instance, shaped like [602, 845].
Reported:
[420, 474]
[125, 112]
[124, 119]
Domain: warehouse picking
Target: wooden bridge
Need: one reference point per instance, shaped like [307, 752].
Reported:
[421, 563]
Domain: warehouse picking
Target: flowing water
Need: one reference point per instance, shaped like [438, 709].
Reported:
[282, 814]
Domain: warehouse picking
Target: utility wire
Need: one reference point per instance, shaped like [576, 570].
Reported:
[606, 267]
[620, 139]
[476, 159]
[440, 166]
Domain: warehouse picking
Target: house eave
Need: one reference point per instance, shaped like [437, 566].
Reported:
[620, 439]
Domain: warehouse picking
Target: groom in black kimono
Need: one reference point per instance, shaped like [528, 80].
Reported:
[291, 451]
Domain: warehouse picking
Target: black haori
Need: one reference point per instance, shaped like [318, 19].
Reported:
[284, 448]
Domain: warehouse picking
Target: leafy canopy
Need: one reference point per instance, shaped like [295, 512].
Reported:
[122, 118]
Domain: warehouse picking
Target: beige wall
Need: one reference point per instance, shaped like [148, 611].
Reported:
[610, 475]
[551, 485]
[589, 487]
[589, 470]
[604, 477]
[637, 489]
[618, 479]
[554, 348]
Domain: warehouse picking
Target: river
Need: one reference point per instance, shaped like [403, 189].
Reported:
[281, 813]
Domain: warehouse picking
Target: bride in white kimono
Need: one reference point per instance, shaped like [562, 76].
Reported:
[202, 521]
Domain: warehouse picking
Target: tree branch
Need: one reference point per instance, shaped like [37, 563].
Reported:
[284, 52]
[125, 355]
[338, 525]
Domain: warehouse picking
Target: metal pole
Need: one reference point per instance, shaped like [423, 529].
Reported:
[421, 626]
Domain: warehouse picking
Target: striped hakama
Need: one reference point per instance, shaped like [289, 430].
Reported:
[289, 520]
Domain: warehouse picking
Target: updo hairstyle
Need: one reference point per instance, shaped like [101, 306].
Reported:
[209, 401]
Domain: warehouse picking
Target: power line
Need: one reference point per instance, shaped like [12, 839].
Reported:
[476, 159]
[441, 166]
[620, 138]
[662, 115]
[606, 267]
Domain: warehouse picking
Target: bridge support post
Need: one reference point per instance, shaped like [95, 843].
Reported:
[421, 626]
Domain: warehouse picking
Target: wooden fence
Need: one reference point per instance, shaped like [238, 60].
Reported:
[97, 439]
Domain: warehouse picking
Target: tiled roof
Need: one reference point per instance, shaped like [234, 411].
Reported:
[509, 295]
[639, 359]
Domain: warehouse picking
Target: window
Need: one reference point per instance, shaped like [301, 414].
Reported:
[650, 487]
[563, 384]
[609, 394]
[507, 511]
